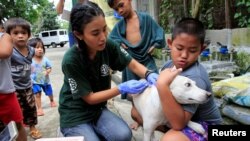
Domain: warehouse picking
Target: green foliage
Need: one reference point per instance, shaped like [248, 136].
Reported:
[242, 60]
[212, 13]
[170, 12]
[47, 20]
[26, 9]
[242, 13]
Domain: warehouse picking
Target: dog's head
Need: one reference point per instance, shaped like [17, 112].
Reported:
[185, 91]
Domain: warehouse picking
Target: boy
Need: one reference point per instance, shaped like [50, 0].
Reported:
[139, 34]
[10, 109]
[186, 45]
[21, 59]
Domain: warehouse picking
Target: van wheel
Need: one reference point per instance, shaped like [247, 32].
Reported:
[62, 44]
[53, 45]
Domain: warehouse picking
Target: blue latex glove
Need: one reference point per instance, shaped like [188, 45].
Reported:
[152, 78]
[132, 87]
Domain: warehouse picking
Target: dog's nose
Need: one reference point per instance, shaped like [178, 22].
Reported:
[208, 94]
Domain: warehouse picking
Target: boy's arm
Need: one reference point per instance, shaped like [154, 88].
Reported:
[59, 7]
[177, 117]
[159, 40]
[6, 46]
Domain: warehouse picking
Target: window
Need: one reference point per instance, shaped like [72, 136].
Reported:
[53, 33]
[45, 34]
[61, 32]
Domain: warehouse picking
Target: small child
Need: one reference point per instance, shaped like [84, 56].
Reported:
[41, 68]
[10, 109]
[21, 59]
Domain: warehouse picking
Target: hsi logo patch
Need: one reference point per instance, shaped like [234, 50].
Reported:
[104, 70]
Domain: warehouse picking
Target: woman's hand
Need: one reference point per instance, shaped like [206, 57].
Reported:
[132, 87]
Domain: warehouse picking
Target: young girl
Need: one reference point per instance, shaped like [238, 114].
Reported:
[87, 79]
[41, 68]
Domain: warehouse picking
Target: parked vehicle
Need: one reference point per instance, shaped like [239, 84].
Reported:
[54, 37]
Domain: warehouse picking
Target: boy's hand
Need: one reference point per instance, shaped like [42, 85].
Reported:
[151, 50]
[167, 75]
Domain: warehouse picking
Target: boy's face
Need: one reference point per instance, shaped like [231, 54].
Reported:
[123, 7]
[19, 36]
[185, 50]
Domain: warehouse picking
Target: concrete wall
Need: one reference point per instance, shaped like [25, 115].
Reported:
[239, 36]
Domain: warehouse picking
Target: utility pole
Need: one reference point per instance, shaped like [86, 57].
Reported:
[228, 23]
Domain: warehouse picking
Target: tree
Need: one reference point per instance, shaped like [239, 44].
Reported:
[26, 9]
[48, 19]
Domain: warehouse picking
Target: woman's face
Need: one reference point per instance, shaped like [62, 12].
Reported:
[95, 34]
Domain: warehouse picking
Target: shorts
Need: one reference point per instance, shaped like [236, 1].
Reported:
[194, 136]
[37, 88]
[27, 102]
[10, 109]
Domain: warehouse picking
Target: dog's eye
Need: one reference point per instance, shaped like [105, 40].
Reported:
[188, 84]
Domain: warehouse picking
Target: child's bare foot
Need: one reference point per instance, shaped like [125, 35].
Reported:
[134, 126]
[40, 112]
[52, 104]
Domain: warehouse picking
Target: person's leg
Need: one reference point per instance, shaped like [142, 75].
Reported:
[111, 127]
[10, 110]
[85, 130]
[136, 117]
[71, 39]
[49, 92]
[39, 104]
[21, 132]
[27, 101]
[38, 98]
[174, 135]
[186, 134]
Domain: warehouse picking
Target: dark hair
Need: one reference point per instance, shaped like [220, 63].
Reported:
[34, 41]
[1, 24]
[14, 22]
[81, 15]
[190, 26]
[111, 3]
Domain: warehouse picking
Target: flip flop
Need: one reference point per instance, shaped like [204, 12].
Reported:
[35, 134]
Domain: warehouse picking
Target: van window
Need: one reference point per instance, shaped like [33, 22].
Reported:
[61, 32]
[53, 33]
[45, 34]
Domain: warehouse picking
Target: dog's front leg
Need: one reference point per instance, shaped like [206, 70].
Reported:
[148, 131]
[196, 127]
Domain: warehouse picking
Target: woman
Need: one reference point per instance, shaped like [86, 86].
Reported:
[87, 79]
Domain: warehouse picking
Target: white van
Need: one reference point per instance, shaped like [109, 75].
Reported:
[54, 37]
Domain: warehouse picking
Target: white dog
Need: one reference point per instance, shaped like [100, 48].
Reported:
[149, 106]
